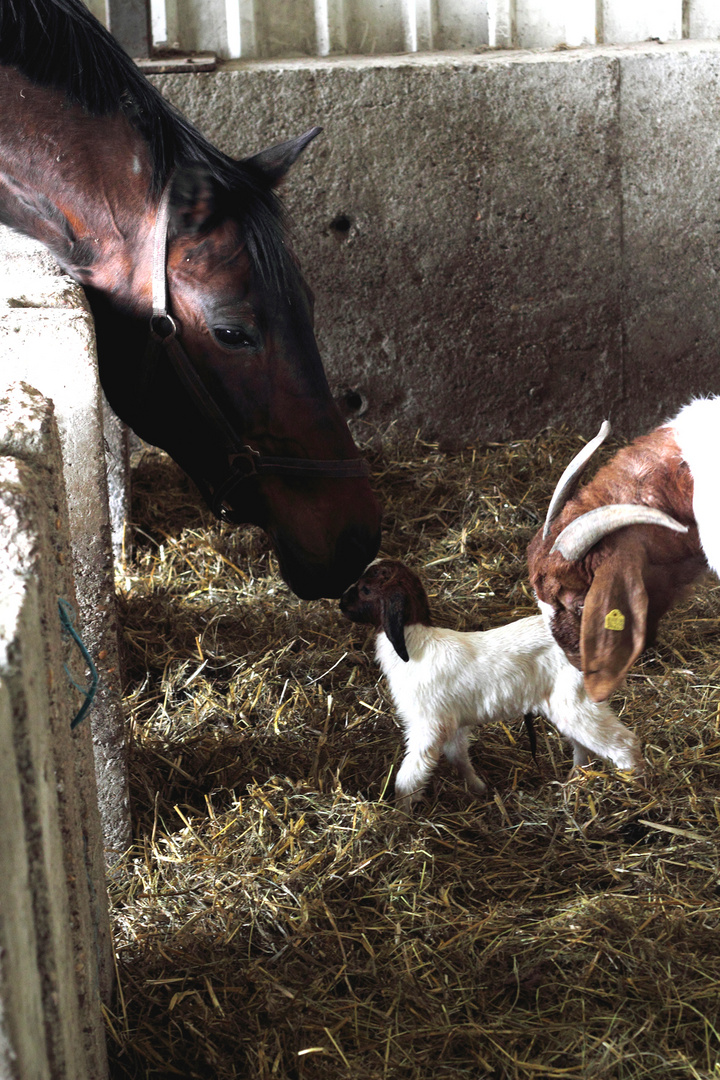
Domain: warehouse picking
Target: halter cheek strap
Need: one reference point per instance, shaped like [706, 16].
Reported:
[159, 263]
[244, 462]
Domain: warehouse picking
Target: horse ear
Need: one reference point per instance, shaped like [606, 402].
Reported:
[614, 623]
[275, 162]
[393, 616]
[194, 199]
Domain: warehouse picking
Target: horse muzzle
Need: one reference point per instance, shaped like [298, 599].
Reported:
[324, 527]
[311, 579]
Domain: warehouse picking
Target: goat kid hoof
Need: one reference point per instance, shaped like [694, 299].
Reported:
[405, 804]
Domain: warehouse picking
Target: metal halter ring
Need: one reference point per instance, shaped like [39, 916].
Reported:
[156, 319]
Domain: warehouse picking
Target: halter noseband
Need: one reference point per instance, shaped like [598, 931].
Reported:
[243, 461]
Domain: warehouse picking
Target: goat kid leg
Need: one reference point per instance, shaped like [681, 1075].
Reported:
[596, 732]
[581, 755]
[456, 752]
[422, 754]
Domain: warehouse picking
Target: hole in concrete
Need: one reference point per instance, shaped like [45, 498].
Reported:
[341, 224]
[354, 402]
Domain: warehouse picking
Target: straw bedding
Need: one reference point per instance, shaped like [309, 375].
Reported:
[278, 917]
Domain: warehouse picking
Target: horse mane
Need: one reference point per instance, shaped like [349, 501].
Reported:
[61, 45]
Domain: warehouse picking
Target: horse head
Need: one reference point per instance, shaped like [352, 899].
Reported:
[167, 232]
[234, 389]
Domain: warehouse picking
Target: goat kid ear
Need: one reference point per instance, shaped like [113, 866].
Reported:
[393, 615]
[614, 625]
[275, 162]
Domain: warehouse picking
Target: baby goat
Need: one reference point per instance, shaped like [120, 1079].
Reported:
[445, 681]
[612, 559]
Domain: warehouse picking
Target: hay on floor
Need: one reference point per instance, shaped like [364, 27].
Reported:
[279, 918]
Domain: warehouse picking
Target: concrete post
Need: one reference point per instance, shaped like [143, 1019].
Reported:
[47, 338]
[55, 945]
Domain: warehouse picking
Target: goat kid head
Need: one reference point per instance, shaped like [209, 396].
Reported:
[605, 569]
[389, 597]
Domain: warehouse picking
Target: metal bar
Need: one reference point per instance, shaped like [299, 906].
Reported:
[129, 22]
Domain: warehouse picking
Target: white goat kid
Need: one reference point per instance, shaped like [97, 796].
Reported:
[444, 682]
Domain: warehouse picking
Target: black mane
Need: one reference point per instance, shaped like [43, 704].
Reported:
[60, 44]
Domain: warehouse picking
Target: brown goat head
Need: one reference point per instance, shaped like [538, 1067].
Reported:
[388, 596]
[604, 601]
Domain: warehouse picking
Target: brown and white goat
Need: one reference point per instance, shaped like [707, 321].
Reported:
[613, 558]
[444, 682]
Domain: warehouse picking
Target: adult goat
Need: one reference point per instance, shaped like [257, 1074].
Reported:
[611, 559]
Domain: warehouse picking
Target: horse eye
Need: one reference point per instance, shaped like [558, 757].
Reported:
[233, 337]
[364, 590]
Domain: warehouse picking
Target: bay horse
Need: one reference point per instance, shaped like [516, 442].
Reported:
[204, 323]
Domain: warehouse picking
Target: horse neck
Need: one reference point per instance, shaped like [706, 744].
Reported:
[80, 184]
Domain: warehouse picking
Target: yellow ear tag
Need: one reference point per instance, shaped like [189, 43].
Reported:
[615, 620]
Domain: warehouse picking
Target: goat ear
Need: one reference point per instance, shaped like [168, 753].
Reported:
[394, 623]
[614, 624]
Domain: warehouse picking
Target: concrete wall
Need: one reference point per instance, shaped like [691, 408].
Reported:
[55, 946]
[501, 241]
[47, 338]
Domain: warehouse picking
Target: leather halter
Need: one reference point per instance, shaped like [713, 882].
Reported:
[244, 462]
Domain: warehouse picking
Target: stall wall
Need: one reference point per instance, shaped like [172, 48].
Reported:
[502, 241]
